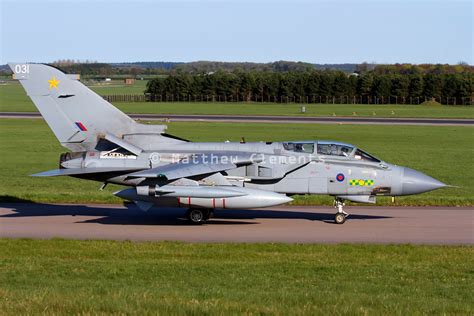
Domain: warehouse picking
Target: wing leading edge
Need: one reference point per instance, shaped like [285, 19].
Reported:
[81, 171]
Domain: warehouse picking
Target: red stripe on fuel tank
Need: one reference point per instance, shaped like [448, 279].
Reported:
[189, 201]
[214, 203]
[223, 203]
[179, 201]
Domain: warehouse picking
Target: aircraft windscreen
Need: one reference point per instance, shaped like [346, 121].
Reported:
[362, 155]
[334, 150]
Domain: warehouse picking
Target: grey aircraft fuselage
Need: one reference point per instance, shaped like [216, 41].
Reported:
[108, 146]
[281, 170]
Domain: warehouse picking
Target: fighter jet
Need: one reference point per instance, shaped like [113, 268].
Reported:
[106, 145]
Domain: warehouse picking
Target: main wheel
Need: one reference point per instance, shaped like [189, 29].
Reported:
[197, 216]
[339, 218]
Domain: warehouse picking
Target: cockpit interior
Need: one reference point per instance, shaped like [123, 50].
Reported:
[325, 148]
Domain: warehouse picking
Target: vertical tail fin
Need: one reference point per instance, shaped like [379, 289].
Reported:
[76, 115]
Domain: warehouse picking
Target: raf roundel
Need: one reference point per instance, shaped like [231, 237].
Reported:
[340, 177]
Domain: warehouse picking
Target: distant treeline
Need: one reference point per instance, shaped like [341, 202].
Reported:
[95, 69]
[277, 66]
[160, 68]
[162, 65]
[384, 84]
[102, 70]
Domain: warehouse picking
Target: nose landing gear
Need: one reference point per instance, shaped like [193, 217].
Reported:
[340, 216]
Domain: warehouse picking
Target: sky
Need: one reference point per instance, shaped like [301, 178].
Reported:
[340, 31]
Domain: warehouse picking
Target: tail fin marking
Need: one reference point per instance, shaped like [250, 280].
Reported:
[76, 115]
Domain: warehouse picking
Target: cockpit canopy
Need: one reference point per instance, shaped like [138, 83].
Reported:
[334, 149]
[300, 147]
[362, 155]
[326, 148]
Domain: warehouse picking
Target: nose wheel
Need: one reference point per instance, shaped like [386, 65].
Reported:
[340, 217]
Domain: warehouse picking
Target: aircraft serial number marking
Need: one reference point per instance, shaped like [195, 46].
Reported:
[22, 69]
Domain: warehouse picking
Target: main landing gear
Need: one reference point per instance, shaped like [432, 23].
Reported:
[198, 215]
[340, 216]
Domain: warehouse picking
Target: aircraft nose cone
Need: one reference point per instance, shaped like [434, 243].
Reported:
[414, 182]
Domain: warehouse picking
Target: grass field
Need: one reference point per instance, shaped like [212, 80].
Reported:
[106, 277]
[14, 99]
[28, 146]
[295, 109]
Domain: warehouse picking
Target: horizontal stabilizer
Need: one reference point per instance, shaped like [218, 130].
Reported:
[81, 171]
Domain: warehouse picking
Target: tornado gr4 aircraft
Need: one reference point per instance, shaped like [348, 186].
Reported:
[106, 145]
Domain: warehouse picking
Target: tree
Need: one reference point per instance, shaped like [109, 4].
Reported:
[465, 87]
[432, 85]
[365, 84]
[415, 87]
[450, 87]
[382, 86]
[247, 83]
[400, 85]
[327, 83]
[399, 80]
[312, 84]
[340, 85]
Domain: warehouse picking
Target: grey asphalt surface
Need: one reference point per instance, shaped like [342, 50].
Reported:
[277, 119]
[287, 224]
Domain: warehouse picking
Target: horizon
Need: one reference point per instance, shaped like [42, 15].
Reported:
[275, 61]
[230, 62]
[320, 32]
